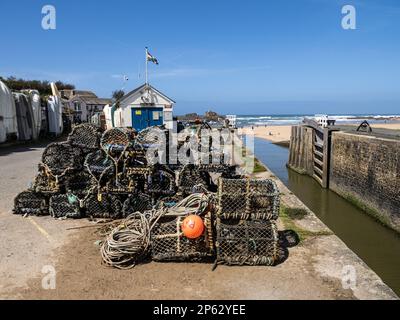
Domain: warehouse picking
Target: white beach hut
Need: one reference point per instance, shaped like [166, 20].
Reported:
[144, 107]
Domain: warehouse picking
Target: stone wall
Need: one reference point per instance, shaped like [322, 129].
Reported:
[366, 171]
[301, 150]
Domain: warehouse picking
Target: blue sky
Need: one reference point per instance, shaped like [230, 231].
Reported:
[244, 57]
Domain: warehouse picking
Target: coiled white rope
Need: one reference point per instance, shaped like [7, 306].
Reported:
[130, 241]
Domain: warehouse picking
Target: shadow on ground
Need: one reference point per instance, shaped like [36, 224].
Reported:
[287, 239]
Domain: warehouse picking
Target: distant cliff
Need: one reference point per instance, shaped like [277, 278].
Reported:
[208, 116]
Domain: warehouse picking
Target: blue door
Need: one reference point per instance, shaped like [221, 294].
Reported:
[143, 118]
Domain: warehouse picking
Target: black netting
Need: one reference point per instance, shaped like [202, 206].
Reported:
[65, 206]
[190, 177]
[58, 158]
[85, 136]
[245, 242]
[161, 182]
[169, 243]
[152, 136]
[30, 203]
[99, 165]
[246, 198]
[103, 206]
[116, 140]
[79, 182]
[136, 203]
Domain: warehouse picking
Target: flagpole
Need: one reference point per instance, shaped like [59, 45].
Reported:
[147, 77]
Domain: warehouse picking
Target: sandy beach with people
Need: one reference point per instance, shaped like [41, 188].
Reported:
[281, 134]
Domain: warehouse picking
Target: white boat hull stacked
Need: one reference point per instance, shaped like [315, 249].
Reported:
[54, 115]
[34, 98]
[24, 116]
[8, 115]
[3, 135]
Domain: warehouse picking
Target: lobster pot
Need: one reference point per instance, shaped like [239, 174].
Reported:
[62, 157]
[190, 177]
[46, 183]
[79, 182]
[99, 166]
[138, 176]
[120, 184]
[152, 136]
[31, 203]
[248, 199]
[169, 243]
[85, 136]
[161, 182]
[103, 206]
[64, 206]
[136, 203]
[244, 242]
[116, 140]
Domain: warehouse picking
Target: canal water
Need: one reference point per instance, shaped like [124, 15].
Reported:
[376, 245]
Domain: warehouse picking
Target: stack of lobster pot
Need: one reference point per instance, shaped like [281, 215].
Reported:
[246, 230]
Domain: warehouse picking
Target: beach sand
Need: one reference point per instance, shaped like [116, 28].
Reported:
[281, 134]
[275, 134]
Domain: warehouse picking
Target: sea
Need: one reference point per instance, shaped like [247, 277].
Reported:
[284, 119]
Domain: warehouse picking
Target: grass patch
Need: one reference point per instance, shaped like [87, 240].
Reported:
[288, 217]
[258, 166]
[294, 213]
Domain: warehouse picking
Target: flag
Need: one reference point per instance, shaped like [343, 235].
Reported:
[151, 58]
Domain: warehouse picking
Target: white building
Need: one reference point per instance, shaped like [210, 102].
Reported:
[324, 121]
[144, 107]
[84, 103]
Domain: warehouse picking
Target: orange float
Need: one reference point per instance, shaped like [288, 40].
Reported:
[192, 227]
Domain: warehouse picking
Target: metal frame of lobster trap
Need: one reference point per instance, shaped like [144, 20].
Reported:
[169, 244]
[246, 242]
[248, 199]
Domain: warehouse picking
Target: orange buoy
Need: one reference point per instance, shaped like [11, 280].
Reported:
[193, 227]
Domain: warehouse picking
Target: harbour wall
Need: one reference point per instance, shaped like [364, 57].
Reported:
[364, 169]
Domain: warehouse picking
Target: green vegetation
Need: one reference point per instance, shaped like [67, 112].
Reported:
[258, 166]
[288, 217]
[42, 86]
[118, 95]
